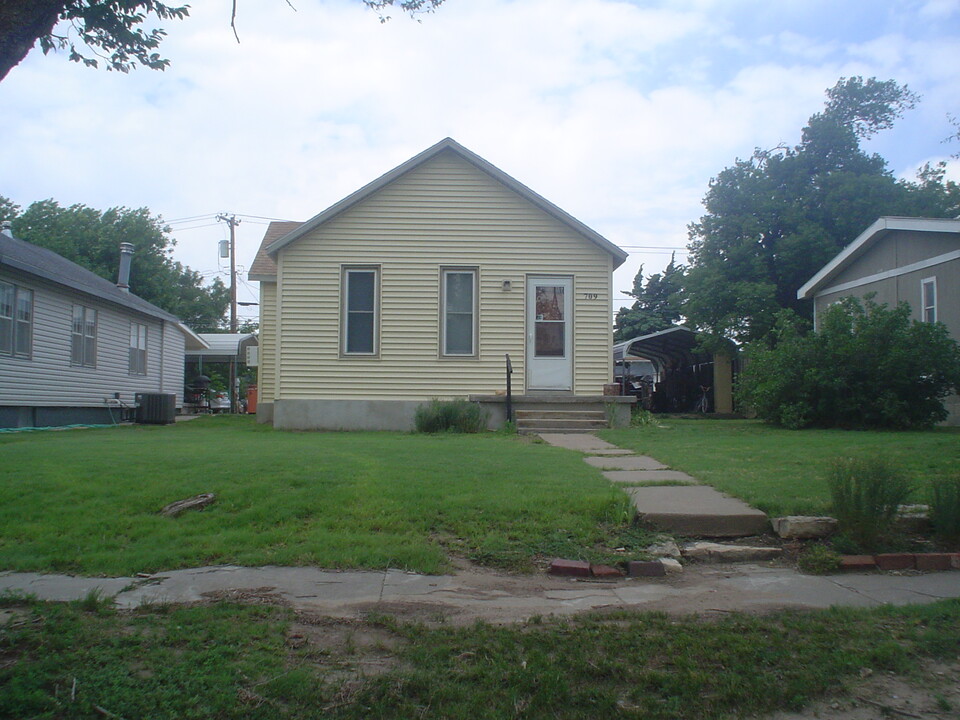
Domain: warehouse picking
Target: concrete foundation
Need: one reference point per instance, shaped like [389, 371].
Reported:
[345, 414]
[265, 412]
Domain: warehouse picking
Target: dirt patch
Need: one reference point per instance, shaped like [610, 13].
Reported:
[266, 595]
[931, 693]
[345, 653]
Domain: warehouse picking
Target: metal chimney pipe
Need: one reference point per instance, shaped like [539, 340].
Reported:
[123, 277]
[6, 228]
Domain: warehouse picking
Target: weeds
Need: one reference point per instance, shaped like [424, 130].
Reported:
[450, 416]
[819, 560]
[866, 493]
[945, 509]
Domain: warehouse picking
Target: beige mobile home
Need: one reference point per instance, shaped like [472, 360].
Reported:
[899, 259]
[418, 286]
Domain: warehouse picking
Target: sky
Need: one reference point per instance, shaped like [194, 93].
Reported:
[618, 111]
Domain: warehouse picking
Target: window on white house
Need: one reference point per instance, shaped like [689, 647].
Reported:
[83, 338]
[928, 295]
[16, 320]
[138, 349]
[359, 322]
[458, 310]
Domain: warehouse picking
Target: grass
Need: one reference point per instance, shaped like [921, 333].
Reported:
[232, 661]
[87, 501]
[783, 472]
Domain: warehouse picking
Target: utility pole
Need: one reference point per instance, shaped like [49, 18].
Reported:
[232, 221]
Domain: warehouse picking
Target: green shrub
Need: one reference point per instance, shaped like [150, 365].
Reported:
[945, 509]
[450, 416]
[867, 366]
[819, 560]
[866, 493]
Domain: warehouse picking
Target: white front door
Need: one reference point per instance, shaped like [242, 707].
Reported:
[549, 333]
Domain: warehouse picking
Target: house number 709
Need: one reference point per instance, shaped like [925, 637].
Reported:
[590, 296]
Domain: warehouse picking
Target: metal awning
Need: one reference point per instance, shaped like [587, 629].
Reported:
[222, 347]
[664, 348]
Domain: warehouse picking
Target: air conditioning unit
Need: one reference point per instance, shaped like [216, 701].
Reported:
[156, 408]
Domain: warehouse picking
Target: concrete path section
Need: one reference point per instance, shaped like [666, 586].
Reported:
[624, 462]
[639, 477]
[697, 511]
[582, 442]
[497, 597]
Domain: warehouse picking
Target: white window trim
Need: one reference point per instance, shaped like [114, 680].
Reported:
[474, 311]
[15, 350]
[137, 364]
[84, 338]
[345, 272]
[923, 301]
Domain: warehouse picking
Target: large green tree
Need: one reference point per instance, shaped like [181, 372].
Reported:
[656, 303]
[773, 220]
[92, 239]
[110, 31]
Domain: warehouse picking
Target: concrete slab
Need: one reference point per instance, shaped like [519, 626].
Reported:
[697, 511]
[637, 477]
[60, 588]
[500, 597]
[628, 462]
[582, 442]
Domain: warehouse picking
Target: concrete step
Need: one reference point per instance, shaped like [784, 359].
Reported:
[561, 415]
[697, 511]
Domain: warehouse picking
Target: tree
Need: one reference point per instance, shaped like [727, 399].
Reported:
[868, 366]
[92, 239]
[773, 220]
[111, 30]
[656, 304]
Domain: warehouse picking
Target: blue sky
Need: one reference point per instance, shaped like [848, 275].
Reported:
[619, 112]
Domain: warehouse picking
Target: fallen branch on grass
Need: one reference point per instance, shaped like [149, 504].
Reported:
[197, 502]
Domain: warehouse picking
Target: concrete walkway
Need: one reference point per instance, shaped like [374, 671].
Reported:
[496, 597]
[667, 499]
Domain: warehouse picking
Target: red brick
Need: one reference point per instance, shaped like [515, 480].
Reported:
[896, 561]
[605, 572]
[638, 568]
[857, 562]
[955, 561]
[933, 561]
[574, 568]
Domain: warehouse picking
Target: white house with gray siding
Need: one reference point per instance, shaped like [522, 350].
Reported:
[899, 259]
[417, 286]
[75, 348]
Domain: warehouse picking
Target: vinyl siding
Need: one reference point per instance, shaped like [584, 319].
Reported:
[444, 213]
[48, 379]
[266, 370]
[897, 250]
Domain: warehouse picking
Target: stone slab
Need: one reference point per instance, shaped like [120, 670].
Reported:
[804, 527]
[697, 511]
[635, 477]
[716, 552]
[629, 462]
[583, 442]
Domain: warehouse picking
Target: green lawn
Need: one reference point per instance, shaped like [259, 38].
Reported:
[87, 501]
[231, 661]
[783, 471]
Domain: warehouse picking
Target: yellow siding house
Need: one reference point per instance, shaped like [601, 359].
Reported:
[418, 286]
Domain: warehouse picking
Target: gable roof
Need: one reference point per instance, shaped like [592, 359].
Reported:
[446, 145]
[263, 266]
[865, 240]
[48, 265]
